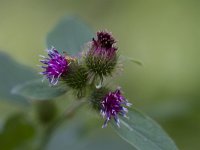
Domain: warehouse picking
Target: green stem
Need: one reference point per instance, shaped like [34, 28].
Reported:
[53, 126]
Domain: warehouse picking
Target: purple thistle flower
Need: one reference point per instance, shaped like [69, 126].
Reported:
[101, 58]
[56, 66]
[112, 105]
[104, 45]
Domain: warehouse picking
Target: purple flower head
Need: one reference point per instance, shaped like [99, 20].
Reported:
[104, 44]
[112, 105]
[56, 65]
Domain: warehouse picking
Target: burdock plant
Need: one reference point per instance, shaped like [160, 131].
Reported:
[68, 66]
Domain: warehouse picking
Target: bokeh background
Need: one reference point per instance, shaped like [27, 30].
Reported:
[163, 34]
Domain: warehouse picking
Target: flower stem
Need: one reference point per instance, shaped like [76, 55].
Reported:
[53, 126]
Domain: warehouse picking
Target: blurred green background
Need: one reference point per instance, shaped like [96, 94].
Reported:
[163, 34]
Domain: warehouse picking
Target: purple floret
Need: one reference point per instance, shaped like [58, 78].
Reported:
[104, 45]
[56, 65]
[112, 105]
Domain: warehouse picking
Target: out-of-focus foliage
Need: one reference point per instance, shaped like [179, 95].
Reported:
[69, 36]
[164, 35]
[17, 132]
[38, 90]
[88, 134]
[11, 74]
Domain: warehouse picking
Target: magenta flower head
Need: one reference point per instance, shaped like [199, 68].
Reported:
[104, 45]
[101, 57]
[56, 65]
[110, 104]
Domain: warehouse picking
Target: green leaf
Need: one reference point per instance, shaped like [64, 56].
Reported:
[70, 136]
[143, 133]
[126, 58]
[104, 142]
[38, 90]
[16, 132]
[69, 35]
[11, 74]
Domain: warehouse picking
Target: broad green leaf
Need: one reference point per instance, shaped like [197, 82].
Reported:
[69, 35]
[143, 133]
[11, 74]
[17, 131]
[71, 137]
[104, 142]
[38, 90]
